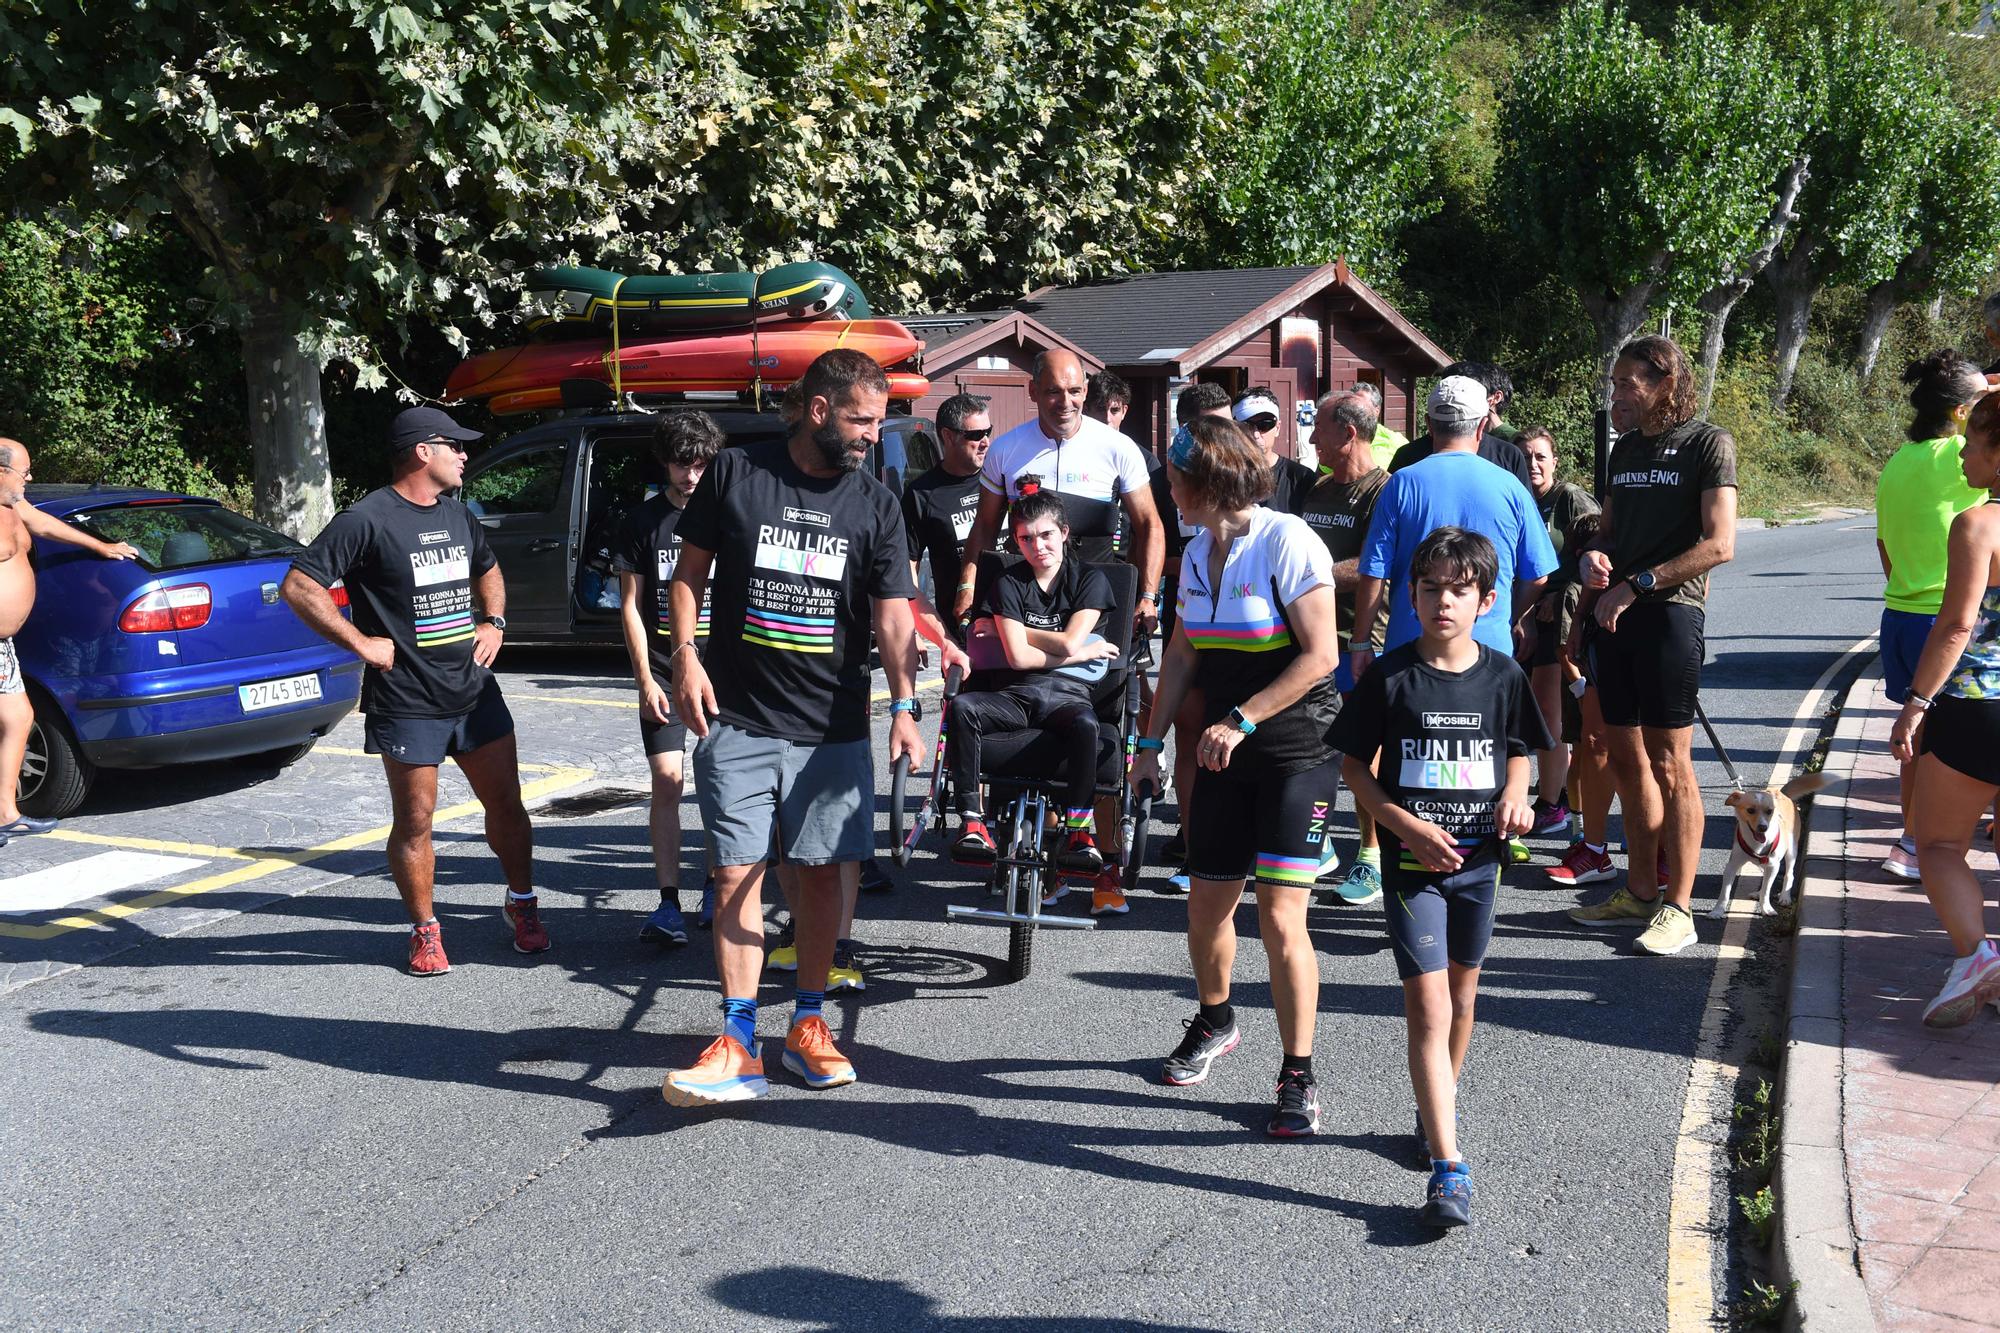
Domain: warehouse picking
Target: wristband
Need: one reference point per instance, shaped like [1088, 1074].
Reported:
[909, 706]
[965, 587]
[1151, 743]
[1922, 702]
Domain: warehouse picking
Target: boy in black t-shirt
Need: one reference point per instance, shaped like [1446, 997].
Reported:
[646, 553]
[1044, 610]
[1454, 721]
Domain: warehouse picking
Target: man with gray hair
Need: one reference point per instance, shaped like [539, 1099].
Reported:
[1383, 441]
[1453, 487]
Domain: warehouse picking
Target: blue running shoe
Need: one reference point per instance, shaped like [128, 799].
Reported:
[1362, 887]
[706, 917]
[665, 925]
[1448, 1201]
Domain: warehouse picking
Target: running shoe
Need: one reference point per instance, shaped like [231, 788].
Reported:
[974, 845]
[1054, 891]
[1970, 982]
[1200, 1048]
[1176, 884]
[1581, 865]
[724, 1073]
[1329, 861]
[524, 918]
[1670, 931]
[845, 974]
[1620, 906]
[1518, 853]
[1549, 818]
[1297, 1115]
[1079, 855]
[811, 1054]
[1362, 887]
[1448, 1200]
[427, 952]
[1107, 895]
[1902, 864]
[785, 956]
[1175, 848]
[705, 918]
[665, 925]
[874, 879]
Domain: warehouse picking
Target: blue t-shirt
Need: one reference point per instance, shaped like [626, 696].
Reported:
[1465, 491]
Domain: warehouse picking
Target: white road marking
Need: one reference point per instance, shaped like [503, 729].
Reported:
[92, 877]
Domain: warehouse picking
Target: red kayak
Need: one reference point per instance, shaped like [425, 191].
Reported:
[902, 384]
[652, 365]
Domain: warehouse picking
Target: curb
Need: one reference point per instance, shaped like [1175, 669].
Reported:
[1815, 1244]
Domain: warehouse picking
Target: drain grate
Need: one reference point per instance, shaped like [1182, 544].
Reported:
[583, 804]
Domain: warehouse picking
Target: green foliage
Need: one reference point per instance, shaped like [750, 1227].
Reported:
[1760, 1210]
[1349, 104]
[1763, 1306]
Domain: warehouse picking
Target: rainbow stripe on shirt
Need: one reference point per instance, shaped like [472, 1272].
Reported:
[1250, 636]
[794, 634]
[436, 631]
[700, 626]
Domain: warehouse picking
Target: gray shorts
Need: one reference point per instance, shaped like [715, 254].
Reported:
[10, 669]
[819, 799]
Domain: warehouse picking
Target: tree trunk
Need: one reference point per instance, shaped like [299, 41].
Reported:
[1617, 316]
[1720, 302]
[294, 480]
[1794, 286]
[1712, 338]
[1883, 298]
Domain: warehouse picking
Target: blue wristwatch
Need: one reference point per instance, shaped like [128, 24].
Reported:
[1150, 743]
[910, 706]
[1242, 723]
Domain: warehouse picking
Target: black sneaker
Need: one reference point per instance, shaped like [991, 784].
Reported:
[1298, 1107]
[1200, 1048]
[874, 879]
[1448, 1201]
[1175, 850]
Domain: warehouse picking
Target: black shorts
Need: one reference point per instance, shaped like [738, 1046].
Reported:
[1964, 735]
[669, 737]
[426, 741]
[1271, 826]
[1648, 674]
[1435, 919]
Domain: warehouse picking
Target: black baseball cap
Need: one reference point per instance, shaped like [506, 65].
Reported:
[414, 425]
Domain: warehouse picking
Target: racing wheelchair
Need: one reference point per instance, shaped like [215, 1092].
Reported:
[1022, 773]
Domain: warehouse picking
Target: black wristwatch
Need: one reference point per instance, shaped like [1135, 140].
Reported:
[498, 622]
[1642, 582]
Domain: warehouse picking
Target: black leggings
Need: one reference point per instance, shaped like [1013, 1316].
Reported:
[977, 715]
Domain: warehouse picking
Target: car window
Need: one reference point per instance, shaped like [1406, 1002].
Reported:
[923, 447]
[175, 536]
[528, 483]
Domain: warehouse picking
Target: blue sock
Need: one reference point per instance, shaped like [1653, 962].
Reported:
[1908, 844]
[807, 1004]
[739, 1020]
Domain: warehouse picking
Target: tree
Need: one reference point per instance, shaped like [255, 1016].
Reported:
[1955, 234]
[344, 165]
[1867, 98]
[1641, 171]
[1348, 102]
[1719, 302]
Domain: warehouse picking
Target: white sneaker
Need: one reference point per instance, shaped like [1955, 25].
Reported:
[1901, 864]
[1972, 981]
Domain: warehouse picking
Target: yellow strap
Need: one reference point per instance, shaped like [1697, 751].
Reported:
[617, 371]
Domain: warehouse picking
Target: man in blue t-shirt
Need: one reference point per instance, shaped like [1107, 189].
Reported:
[1453, 487]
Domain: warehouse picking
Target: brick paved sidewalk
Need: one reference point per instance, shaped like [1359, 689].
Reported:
[1921, 1124]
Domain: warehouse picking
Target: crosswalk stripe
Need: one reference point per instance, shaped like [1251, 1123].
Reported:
[96, 876]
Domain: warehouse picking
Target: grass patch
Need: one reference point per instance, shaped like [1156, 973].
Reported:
[1762, 1306]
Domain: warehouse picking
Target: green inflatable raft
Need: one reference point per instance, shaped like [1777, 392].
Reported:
[578, 302]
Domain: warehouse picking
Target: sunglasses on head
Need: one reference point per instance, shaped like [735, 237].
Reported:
[975, 436]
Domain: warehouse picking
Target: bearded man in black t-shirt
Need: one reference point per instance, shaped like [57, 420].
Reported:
[804, 550]
[429, 611]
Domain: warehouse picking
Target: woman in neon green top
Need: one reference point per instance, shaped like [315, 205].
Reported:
[1920, 491]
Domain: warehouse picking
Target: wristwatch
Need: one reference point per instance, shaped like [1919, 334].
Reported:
[498, 622]
[1642, 582]
[1240, 722]
[910, 706]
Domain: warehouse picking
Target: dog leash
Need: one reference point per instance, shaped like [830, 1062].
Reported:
[1716, 741]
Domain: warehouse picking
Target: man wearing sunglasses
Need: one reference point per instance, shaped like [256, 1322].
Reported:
[429, 612]
[939, 507]
[1257, 413]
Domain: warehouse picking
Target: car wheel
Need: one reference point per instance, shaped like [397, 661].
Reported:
[55, 777]
[283, 757]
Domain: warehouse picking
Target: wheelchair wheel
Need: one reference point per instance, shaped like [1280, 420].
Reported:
[1020, 950]
[1135, 846]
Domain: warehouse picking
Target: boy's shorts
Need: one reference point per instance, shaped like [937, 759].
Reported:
[1435, 919]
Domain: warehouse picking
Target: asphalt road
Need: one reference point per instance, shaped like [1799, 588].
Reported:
[230, 1108]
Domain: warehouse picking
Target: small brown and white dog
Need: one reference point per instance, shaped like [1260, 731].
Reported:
[1767, 836]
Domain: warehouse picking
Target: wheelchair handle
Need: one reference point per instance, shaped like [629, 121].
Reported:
[953, 679]
[899, 782]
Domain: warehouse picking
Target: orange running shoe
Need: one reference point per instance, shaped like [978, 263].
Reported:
[1107, 894]
[427, 952]
[811, 1054]
[525, 919]
[724, 1073]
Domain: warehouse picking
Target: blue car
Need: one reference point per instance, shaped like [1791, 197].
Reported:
[185, 654]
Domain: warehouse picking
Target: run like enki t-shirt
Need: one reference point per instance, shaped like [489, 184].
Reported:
[798, 562]
[1241, 631]
[1016, 596]
[1456, 490]
[650, 546]
[1655, 499]
[409, 570]
[938, 510]
[1445, 740]
[1091, 470]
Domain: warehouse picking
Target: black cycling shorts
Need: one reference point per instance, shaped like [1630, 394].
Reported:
[1434, 919]
[669, 737]
[1964, 735]
[425, 741]
[1648, 673]
[1271, 826]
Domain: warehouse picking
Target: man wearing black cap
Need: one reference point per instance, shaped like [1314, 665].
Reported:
[429, 611]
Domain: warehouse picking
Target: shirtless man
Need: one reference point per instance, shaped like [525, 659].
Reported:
[20, 524]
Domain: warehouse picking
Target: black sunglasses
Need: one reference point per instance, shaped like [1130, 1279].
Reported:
[1262, 422]
[975, 436]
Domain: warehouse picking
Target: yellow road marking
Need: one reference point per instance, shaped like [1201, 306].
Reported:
[1691, 1241]
[363, 754]
[153, 845]
[258, 864]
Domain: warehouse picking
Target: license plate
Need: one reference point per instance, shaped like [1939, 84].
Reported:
[277, 693]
